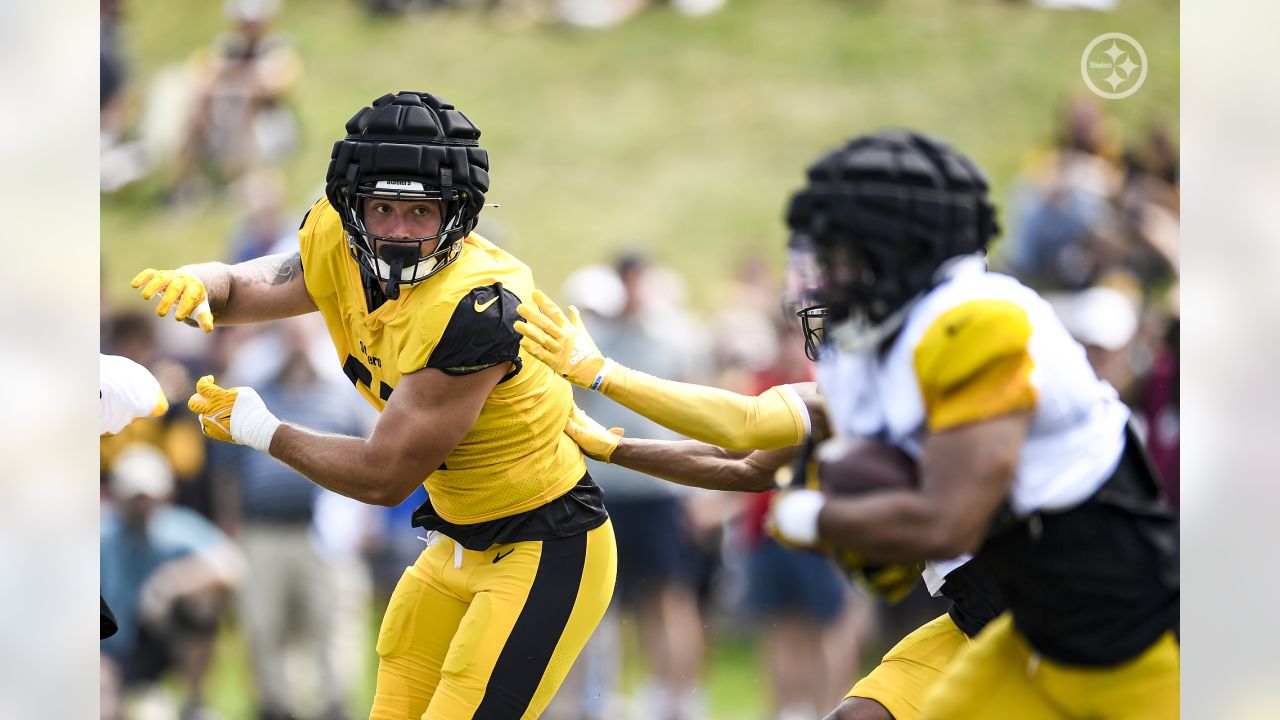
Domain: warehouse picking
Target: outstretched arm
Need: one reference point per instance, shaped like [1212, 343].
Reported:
[779, 417]
[686, 462]
[697, 464]
[424, 420]
[266, 288]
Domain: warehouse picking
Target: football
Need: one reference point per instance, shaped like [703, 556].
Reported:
[852, 466]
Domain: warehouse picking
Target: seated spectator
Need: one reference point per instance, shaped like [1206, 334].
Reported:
[167, 573]
[238, 117]
[301, 570]
[657, 552]
[1063, 211]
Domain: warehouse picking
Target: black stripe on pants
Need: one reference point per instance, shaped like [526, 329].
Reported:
[537, 631]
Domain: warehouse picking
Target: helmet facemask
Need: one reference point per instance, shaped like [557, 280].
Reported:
[801, 295]
[401, 261]
[847, 300]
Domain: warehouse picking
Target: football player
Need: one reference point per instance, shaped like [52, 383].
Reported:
[127, 392]
[1026, 458]
[521, 562]
[726, 427]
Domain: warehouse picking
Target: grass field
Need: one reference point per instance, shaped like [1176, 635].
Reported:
[683, 136]
[735, 688]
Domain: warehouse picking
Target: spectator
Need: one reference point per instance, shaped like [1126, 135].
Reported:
[121, 161]
[1105, 321]
[296, 566]
[599, 14]
[239, 116]
[134, 336]
[1160, 411]
[812, 623]
[1149, 205]
[1066, 227]
[656, 550]
[267, 224]
[167, 573]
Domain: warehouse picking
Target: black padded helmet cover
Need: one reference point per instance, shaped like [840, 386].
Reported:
[896, 205]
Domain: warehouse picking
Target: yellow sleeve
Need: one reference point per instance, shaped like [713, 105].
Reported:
[776, 418]
[974, 363]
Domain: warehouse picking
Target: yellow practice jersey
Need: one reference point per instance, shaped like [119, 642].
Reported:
[516, 457]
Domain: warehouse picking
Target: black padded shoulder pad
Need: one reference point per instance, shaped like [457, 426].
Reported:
[480, 333]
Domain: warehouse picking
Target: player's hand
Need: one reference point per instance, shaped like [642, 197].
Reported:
[179, 288]
[793, 517]
[234, 415]
[596, 442]
[892, 581]
[561, 342]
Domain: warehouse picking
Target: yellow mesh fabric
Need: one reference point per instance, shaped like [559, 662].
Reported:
[516, 456]
[974, 362]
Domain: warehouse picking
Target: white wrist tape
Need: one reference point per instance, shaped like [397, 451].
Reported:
[795, 516]
[252, 423]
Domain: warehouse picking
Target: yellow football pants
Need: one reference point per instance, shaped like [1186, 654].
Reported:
[911, 667]
[490, 634]
[999, 676]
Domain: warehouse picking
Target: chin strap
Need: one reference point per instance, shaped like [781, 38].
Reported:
[396, 258]
[392, 290]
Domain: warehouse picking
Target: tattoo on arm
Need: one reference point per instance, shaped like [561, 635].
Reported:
[268, 271]
[272, 270]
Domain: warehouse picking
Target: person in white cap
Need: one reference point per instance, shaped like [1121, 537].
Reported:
[168, 573]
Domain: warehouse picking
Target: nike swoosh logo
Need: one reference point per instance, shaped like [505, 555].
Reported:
[482, 307]
[501, 555]
[956, 327]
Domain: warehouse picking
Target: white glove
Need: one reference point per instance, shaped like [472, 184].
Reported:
[793, 516]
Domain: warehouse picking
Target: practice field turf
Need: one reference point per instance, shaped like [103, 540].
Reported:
[734, 685]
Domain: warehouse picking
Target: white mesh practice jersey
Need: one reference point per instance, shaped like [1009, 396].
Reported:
[977, 346]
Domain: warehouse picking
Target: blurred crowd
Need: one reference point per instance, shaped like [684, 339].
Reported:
[1094, 227]
[201, 542]
[206, 124]
[586, 14]
[215, 121]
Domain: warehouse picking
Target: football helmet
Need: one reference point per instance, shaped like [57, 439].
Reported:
[875, 228]
[408, 146]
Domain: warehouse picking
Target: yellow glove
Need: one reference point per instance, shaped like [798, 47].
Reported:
[180, 287]
[892, 581]
[793, 522]
[234, 415]
[596, 442]
[561, 342]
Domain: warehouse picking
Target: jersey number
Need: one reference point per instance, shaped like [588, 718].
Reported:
[357, 373]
